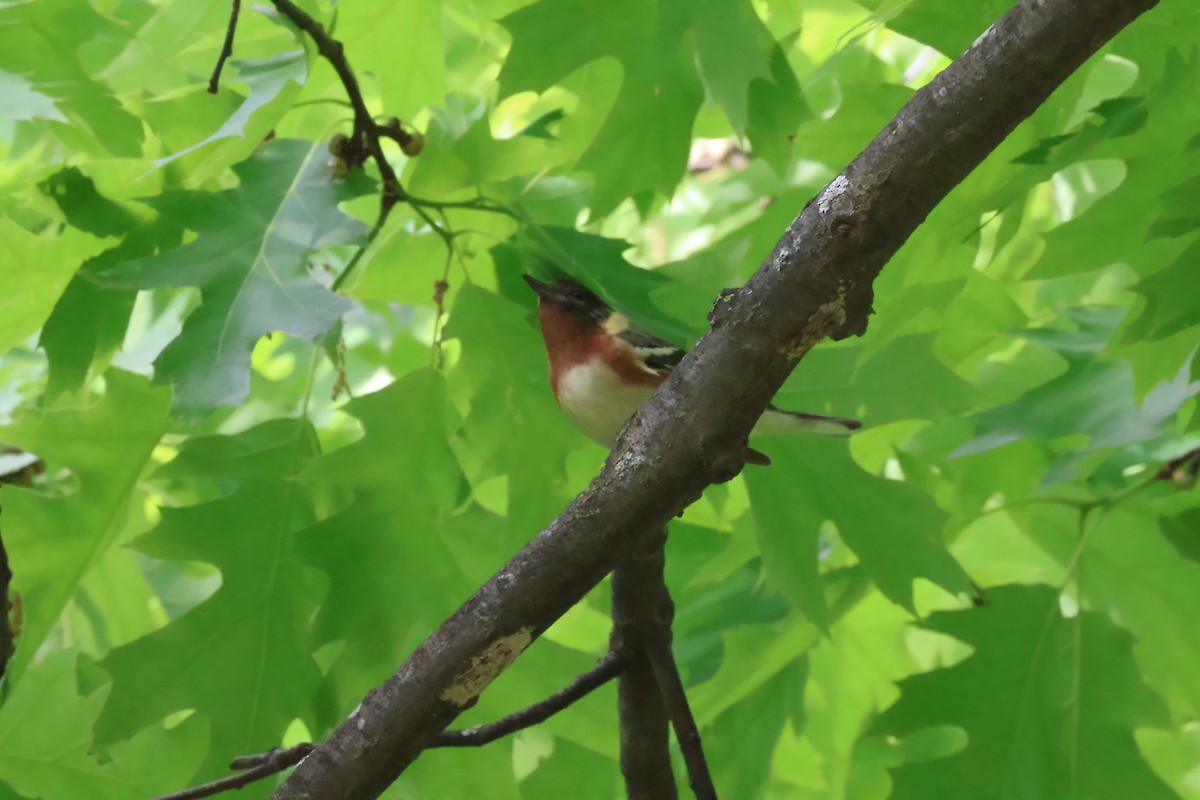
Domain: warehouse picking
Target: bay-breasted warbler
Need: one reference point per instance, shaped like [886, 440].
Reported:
[602, 368]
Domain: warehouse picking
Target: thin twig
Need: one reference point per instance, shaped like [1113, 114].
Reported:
[227, 48]
[254, 768]
[604, 671]
[686, 731]
[348, 270]
[366, 131]
[476, 204]
[290, 755]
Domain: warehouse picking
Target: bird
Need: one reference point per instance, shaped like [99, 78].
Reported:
[603, 368]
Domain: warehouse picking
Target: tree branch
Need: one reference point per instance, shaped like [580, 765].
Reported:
[605, 670]
[815, 284]
[637, 602]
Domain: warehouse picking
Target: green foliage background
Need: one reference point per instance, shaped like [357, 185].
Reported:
[221, 558]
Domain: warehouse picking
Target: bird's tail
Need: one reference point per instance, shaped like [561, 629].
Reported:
[778, 421]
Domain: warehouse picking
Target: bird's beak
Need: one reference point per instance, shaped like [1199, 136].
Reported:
[542, 289]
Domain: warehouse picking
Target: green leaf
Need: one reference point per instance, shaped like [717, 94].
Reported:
[905, 380]
[54, 45]
[274, 84]
[660, 91]
[540, 128]
[754, 654]
[84, 207]
[776, 112]
[89, 321]
[461, 152]
[746, 734]
[276, 448]
[947, 26]
[401, 45]
[1122, 116]
[392, 575]
[730, 54]
[558, 775]
[865, 108]
[1184, 533]
[851, 675]
[242, 657]
[1132, 570]
[1049, 704]
[1094, 398]
[513, 426]
[789, 534]
[53, 541]
[1169, 307]
[1117, 228]
[250, 261]
[34, 272]
[45, 735]
[896, 536]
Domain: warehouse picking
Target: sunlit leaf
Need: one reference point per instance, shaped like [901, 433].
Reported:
[45, 731]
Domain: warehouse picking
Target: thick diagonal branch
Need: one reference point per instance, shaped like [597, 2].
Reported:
[815, 284]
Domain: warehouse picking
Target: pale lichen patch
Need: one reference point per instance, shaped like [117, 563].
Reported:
[830, 194]
[827, 318]
[486, 667]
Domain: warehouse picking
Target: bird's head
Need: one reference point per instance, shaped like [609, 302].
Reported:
[570, 297]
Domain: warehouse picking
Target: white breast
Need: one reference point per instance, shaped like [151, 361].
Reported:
[597, 401]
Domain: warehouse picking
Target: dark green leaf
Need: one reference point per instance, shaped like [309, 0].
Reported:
[251, 264]
[1049, 704]
[242, 658]
[896, 535]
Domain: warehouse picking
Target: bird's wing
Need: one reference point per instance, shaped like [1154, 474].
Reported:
[659, 355]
